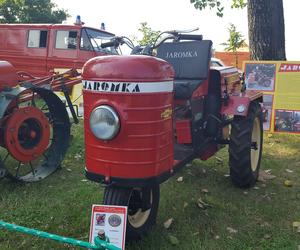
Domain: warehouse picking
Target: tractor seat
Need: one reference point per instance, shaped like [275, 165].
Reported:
[190, 61]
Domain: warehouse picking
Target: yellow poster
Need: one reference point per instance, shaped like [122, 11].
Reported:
[280, 83]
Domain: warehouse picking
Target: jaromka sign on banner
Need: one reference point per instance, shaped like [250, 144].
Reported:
[280, 83]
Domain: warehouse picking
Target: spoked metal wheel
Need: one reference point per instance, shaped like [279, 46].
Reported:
[36, 131]
[245, 148]
[142, 206]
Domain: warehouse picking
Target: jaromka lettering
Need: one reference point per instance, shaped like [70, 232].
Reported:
[285, 67]
[125, 87]
[128, 87]
[181, 54]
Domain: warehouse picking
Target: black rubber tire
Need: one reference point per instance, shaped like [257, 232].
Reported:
[122, 196]
[242, 173]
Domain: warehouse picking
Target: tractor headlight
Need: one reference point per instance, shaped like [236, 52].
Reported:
[104, 122]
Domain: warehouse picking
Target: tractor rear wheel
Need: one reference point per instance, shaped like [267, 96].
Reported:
[142, 206]
[245, 147]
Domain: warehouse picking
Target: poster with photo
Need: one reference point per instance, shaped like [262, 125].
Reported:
[260, 76]
[287, 121]
[267, 111]
[111, 219]
[279, 81]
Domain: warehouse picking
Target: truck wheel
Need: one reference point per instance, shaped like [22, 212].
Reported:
[245, 147]
[142, 206]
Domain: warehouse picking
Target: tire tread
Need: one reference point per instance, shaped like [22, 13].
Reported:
[240, 148]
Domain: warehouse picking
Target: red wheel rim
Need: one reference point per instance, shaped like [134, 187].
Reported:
[27, 133]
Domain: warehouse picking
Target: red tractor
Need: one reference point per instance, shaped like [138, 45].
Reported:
[146, 117]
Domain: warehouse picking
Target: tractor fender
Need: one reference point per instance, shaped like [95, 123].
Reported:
[239, 104]
[7, 96]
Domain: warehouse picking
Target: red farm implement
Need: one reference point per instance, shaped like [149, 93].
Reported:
[34, 122]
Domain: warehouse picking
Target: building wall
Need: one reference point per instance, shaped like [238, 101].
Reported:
[229, 58]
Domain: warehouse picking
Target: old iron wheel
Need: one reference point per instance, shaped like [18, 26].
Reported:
[142, 206]
[245, 147]
[47, 162]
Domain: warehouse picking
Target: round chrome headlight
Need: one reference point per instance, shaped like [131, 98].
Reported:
[104, 122]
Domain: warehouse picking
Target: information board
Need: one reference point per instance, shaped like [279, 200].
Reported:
[112, 220]
[280, 83]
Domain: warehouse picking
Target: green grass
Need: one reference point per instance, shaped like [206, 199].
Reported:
[263, 217]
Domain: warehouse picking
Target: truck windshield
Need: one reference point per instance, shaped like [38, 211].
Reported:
[91, 40]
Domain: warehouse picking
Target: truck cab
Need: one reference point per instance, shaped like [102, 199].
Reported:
[40, 49]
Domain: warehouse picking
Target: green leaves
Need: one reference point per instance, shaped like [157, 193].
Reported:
[31, 11]
[8, 8]
[211, 4]
[149, 35]
[217, 4]
[238, 4]
[235, 40]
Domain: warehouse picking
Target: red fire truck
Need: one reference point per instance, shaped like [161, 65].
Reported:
[43, 48]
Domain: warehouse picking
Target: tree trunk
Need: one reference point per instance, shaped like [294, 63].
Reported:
[266, 30]
[236, 59]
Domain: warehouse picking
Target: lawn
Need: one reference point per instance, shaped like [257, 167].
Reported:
[257, 218]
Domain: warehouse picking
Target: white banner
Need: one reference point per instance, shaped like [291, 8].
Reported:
[128, 87]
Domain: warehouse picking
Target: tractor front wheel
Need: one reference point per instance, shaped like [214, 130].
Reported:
[142, 206]
[245, 147]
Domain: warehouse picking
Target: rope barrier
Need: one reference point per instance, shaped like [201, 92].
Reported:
[99, 244]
